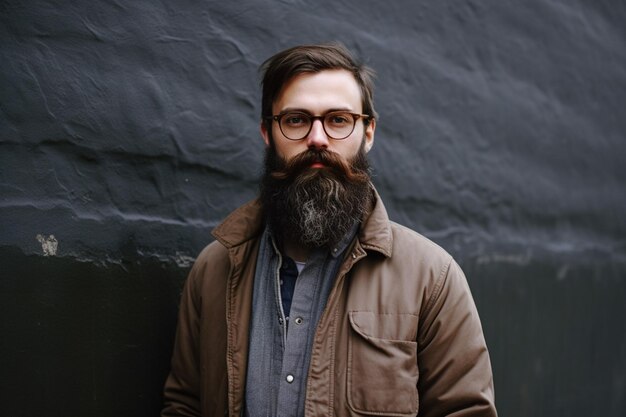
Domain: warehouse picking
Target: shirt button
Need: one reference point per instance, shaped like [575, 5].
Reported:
[289, 378]
[298, 320]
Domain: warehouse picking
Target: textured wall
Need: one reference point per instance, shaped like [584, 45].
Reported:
[129, 129]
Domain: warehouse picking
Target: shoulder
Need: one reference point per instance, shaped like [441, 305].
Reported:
[213, 261]
[426, 263]
[410, 245]
[212, 252]
[440, 274]
[408, 279]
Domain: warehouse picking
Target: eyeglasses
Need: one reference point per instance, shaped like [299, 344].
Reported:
[296, 125]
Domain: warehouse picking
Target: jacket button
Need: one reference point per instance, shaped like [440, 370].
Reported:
[289, 378]
[298, 320]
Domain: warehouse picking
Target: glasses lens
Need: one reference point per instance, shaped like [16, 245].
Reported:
[339, 125]
[295, 125]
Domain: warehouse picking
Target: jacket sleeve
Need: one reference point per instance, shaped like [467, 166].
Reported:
[455, 370]
[181, 393]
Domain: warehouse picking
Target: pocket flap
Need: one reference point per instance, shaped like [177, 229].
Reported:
[387, 326]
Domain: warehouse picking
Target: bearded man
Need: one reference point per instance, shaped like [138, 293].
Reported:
[311, 302]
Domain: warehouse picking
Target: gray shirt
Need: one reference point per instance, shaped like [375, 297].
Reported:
[279, 356]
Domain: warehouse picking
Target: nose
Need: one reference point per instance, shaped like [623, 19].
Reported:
[317, 136]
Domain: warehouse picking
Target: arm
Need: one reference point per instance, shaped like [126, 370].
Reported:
[181, 391]
[455, 371]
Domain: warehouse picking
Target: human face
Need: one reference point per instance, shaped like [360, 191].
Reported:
[318, 93]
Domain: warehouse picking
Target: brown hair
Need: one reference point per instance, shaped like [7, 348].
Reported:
[283, 66]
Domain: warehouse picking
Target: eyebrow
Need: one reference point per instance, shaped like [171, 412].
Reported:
[301, 110]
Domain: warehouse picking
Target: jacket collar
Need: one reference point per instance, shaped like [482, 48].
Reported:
[246, 223]
[241, 225]
[375, 233]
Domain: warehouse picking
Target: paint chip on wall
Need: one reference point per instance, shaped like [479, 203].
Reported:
[49, 244]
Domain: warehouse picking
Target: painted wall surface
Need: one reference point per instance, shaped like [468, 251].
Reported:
[128, 130]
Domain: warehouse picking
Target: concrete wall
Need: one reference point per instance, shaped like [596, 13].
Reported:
[129, 129]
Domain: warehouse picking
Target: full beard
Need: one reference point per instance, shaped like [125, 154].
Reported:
[315, 207]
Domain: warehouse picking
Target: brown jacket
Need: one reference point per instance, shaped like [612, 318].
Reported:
[400, 335]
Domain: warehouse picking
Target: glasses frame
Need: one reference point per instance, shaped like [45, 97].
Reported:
[357, 116]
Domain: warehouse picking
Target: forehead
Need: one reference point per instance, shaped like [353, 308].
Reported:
[320, 91]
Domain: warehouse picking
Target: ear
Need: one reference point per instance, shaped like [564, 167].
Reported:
[265, 133]
[369, 135]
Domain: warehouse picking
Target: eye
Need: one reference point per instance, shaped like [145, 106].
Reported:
[339, 119]
[295, 119]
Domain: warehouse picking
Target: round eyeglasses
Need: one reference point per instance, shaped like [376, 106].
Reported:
[296, 125]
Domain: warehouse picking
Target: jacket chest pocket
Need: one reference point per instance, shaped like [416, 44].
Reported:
[382, 364]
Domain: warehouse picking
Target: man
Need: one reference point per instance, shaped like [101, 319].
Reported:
[312, 302]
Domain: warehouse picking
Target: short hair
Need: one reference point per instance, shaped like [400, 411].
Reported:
[283, 66]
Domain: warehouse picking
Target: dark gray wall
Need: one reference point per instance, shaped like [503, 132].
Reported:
[129, 129]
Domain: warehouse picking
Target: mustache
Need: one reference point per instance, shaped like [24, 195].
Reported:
[332, 161]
